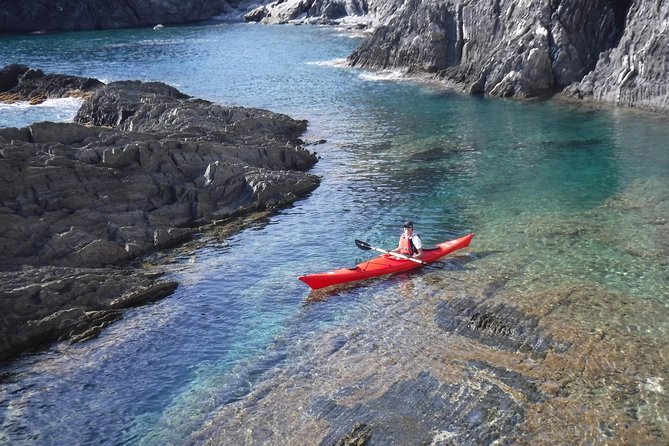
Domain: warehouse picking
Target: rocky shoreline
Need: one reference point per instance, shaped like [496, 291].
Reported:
[603, 52]
[142, 168]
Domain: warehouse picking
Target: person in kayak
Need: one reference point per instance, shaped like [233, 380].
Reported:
[410, 244]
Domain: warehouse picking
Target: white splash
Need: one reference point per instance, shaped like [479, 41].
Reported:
[337, 63]
[21, 114]
[653, 384]
[383, 75]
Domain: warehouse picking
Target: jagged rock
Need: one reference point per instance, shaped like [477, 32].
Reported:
[502, 48]
[21, 83]
[633, 73]
[256, 15]
[145, 167]
[163, 163]
[40, 305]
[613, 52]
[310, 11]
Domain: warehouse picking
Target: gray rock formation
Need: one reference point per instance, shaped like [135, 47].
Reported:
[46, 15]
[40, 305]
[149, 164]
[501, 48]
[19, 82]
[635, 72]
[142, 168]
[615, 52]
[314, 12]
[504, 48]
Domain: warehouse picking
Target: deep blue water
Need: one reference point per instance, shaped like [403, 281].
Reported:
[522, 175]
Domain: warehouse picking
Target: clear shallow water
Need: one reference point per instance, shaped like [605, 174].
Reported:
[559, 197]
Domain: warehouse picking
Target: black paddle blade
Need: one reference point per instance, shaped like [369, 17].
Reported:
[362, 245]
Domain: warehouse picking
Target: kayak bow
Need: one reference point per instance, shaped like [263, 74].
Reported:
[382, 265]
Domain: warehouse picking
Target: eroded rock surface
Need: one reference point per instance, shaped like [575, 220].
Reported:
[39, 305]
[153, 165]
[142, 169]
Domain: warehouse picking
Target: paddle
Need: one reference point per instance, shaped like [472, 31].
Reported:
[366, 246]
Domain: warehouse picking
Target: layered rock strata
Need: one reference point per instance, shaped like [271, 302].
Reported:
[142, 168]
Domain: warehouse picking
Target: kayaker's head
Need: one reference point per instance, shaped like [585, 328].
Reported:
[408, 226]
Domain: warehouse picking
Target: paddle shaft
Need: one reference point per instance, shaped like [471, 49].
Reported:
[363, 245]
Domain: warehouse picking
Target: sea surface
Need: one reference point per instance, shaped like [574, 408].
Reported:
[570, 206]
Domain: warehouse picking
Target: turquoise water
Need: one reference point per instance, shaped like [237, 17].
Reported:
[559, 197]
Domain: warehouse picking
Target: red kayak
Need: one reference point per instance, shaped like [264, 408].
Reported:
[384, 264]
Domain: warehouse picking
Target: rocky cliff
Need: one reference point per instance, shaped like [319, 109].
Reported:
[608, 51]
[612, 51]
[635, 72]
[143, 167]
[73, 15]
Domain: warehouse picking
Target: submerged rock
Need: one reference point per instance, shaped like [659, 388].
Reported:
[496, 325]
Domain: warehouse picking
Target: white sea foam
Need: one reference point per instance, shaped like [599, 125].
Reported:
[21, 114]
[383, 75]
[338, 63]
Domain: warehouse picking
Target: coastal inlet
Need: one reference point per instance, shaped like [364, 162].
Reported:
[549, 328]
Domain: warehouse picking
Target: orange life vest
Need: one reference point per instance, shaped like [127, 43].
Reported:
[406, 245]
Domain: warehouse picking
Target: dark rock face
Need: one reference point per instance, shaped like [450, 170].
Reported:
[143, 168]
[410, 37]
[41, 15]
[40, 305]
[501, 48]
[84, 196]
[608, 51]
[19, 82]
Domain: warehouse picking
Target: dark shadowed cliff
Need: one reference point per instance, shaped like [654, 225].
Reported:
[73, 15]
